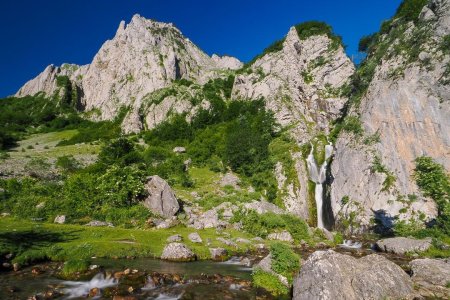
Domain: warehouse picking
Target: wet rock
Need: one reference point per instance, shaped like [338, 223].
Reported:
[161, 199]
[402, 245]
[431, 271]
[195, 238]
[116, 297]
[177, 252]
[96, 223]
[218, 254]
[334, 276]
[284, 236]
[16, 267]
[6, 265]
[175, 238]
[60, 219]
[93, 292]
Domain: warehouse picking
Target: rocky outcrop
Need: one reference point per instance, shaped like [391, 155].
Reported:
[432, 276]
[144, 56]
[60, 219]
[330, 275]
[217, 217]
[284, 236]
[262, 207]
[230, 179]
[402, 245]
[177, 252]
[160, 200]
[405, 114]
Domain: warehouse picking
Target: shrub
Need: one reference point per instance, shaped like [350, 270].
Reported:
[410, 9]
[284, 260]
[269, 282]
[434, 182]
[67, 163]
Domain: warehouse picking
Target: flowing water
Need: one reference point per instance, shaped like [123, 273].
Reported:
[318, 176]
[153, 279]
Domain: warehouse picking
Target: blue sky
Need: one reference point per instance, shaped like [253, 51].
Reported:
[36, 33]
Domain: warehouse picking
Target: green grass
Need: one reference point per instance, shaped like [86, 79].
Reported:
[32, 241]
[44, 146]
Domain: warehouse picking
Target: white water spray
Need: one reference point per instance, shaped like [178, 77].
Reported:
[81, 288]
[318, 176]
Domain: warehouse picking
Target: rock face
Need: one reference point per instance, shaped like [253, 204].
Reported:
[284, 236]
[177, 252]
[160, 200]
[301, 84]
[402, 245]
[143, 57]
[330, 275]
[406, 108]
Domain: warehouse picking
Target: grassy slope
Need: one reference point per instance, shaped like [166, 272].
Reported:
[32, 240]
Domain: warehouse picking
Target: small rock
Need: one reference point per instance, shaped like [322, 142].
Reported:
[93, 267]
[96, 223]
[168, 223]
[174, 238]
[227, 242]
[242, 241]
[126, 272]
[258, 239]
[218, 254]
[262, 207]
[179, 150]
[6, 265]
[93, 292]
[16, 267]
[60, 219]
[284, 236]
[230, 179]
[195, 238]
[118, 275]
[177, 252]
[402, 245]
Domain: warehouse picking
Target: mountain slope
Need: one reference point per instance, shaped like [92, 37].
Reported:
[143, 56]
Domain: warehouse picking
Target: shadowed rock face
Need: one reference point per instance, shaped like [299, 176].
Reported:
[411, 114]
[334, 276]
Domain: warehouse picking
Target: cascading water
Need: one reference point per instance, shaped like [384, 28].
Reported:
[78, 289]
[318, 176]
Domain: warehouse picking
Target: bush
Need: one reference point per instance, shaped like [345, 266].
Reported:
[410, 10]
[67, 163]
[269, 282]
[73, 266]
[262, 225]
[434, 182]
[284, 260]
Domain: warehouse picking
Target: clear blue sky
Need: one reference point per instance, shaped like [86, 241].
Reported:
[36, 33]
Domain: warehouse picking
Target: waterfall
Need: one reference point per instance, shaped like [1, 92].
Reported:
[318, 176]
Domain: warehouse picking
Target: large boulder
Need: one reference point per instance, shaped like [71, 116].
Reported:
[178, 252]
[160, 200]
[402, 245]
[433, 271]
[330, 275]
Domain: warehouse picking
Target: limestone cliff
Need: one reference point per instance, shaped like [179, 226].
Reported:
[405, 113]
[143, 57]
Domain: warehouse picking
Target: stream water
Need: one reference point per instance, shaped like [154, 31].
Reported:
[146, 279]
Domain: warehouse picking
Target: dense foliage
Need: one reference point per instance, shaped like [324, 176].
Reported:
[284, 261]
[434, 182]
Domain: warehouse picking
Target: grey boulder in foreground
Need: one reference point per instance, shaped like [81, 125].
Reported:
[334, 276]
